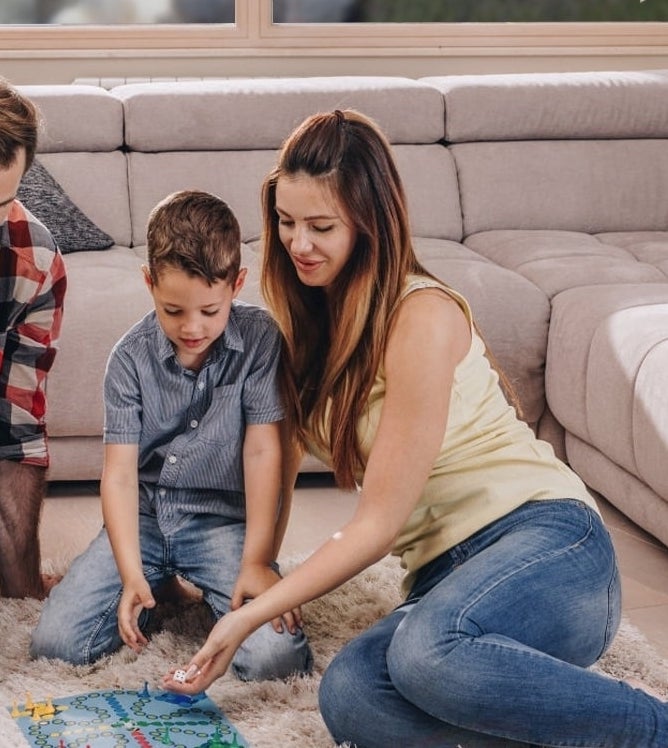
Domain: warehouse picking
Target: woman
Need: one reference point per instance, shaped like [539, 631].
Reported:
[512, 584]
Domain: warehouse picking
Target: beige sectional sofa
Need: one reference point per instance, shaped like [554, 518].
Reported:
[543, 198]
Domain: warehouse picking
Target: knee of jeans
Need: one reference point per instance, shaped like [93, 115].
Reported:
[73, 635]
[57, 643]
[414, 654]
[334, 697]
[268, 655]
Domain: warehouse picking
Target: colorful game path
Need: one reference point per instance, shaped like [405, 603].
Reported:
[126, 719]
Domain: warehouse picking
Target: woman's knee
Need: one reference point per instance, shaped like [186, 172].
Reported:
[342, 695]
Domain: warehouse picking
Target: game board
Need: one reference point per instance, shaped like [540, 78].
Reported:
[125, 719]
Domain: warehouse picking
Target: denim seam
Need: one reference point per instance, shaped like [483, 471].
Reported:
[98, 625]
[542, 558]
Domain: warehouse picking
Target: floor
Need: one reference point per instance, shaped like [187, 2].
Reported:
[72, 516]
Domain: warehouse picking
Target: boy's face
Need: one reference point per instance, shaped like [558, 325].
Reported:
[192, 314]
[10, 179]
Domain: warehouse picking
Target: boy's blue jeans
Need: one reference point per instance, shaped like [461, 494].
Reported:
[79, 620]
[491, 647]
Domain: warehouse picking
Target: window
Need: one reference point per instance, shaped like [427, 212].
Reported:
[137, 12]
[116, 12]
[466, 11]
[31, 29]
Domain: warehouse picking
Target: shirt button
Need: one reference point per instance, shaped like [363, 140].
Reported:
[171, 459]
[162, 492]
[194, 423]
[200, 385]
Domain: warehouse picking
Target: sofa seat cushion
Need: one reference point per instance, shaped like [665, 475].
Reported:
[606, 374]
[646, 246]
[558, 260]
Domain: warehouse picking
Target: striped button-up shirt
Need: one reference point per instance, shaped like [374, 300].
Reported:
[189, 426]
[32, 291]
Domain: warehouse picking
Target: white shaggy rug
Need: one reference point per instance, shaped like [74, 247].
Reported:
[267, 714]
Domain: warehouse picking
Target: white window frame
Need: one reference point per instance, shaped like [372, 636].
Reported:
[253, 33]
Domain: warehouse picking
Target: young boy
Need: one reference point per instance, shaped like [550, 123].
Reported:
[192, 462]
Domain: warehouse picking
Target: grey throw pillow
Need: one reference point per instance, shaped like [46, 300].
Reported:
[46, 200]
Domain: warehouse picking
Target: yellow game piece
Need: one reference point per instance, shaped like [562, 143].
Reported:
[15, 710]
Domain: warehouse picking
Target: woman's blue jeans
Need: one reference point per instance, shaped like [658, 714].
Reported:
[79, 622]
[491, 647]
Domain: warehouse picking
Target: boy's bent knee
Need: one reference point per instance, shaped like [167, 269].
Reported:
[62, 634]
[55, 645]
[268, 655]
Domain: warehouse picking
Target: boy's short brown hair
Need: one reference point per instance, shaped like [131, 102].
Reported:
[19, 124]
[197, 232]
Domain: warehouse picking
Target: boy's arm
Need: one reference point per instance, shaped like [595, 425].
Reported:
[262, 480]
[119, 490]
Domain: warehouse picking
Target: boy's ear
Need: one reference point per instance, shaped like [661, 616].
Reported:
[239, 282]
[147, 277]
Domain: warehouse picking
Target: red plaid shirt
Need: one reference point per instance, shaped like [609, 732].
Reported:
[32, 289]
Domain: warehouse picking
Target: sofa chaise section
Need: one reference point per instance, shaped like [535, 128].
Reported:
[563, 179]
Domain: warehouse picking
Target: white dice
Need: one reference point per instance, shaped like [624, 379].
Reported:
[179, 676]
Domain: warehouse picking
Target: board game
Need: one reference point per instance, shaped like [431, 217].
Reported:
[125, 719]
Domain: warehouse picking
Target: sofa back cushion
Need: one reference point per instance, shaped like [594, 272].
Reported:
[552, 106]
[81, 145]
[223, 136]
[571, 151]
[572, 185]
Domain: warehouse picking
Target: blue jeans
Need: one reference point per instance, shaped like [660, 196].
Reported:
[79, 622]
[491, 647]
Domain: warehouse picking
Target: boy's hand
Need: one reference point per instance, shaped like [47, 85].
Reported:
[252, 581]
[136, 596]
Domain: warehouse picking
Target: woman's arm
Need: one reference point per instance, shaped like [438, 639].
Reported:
[429, 338]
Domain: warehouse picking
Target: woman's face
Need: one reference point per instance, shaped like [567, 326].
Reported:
[313, 228]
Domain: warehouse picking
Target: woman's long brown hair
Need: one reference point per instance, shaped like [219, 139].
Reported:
[334, 342]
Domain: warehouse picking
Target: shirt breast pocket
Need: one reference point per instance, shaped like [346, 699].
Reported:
[223, 422]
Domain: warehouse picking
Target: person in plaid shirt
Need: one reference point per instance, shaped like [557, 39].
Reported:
[32, 288]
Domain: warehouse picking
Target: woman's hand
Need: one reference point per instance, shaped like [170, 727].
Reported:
[136, 596]
[252, 581]
[214, 657]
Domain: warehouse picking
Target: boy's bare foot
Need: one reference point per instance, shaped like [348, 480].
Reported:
[179, 591]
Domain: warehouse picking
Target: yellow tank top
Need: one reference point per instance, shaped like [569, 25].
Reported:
[490, 461]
